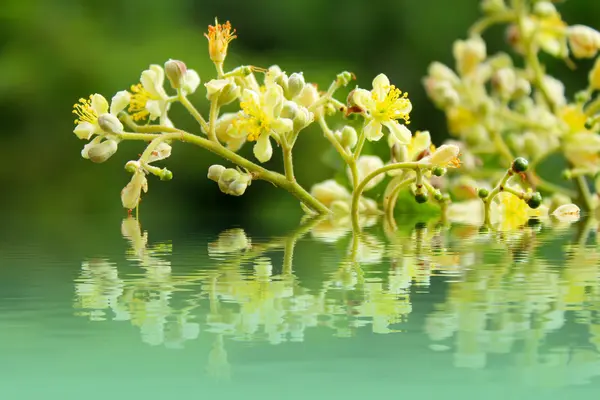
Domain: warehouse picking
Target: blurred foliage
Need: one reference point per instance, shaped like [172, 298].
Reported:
[54, 52]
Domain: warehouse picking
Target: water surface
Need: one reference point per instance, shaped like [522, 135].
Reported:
[421, 310]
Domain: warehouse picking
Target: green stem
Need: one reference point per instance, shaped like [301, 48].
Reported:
[288, 163]
[361, 186]
[359, 146]
[212, 120]
[484, 23]
[333, 140]
[487, 202]
[192, 110]
[393, 197]
[258, 172]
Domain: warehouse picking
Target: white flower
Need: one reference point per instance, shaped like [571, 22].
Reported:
[366, 165]
[89, 110]
[260, 119]
[584, 41]
[383, 106]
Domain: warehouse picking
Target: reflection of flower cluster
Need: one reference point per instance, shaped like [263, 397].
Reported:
[514, 304]
[144, 301]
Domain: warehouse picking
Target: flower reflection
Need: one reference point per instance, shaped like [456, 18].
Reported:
[495, 292]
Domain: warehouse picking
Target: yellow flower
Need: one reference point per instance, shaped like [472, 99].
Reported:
[512, 212]
[148, 98]
[89, 111]
[219, 37]
[444, 156]
[260, 118]
[383, 106]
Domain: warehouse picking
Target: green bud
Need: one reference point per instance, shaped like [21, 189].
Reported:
[166, 175]
[349, 137]
[567, 174]
[132, 166]
[344, 78]
[582, 96]
[535, 200]
[302, 119]
[520, 165]
[215, 172]
[421, 197]
[295, 84]
[289, 110]
[438, 196]
[483, 193]
[438, 171]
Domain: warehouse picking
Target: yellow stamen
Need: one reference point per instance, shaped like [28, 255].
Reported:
[255, 123]
[84, 111]
[137, 104]
[393, 106]
[219, 37]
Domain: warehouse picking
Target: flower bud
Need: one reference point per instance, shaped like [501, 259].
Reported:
[505, 82]
[175, 71]
[302, 119]
[344, 78]
[101, 152]
[215, 171]
[233, 182]
[584, 41]
[308, 96]
[522, 88]
[295, 85]
[544, 9]
[349, 137]
[224, 91]
[165, 175]
[366, 165]
[469, 54]
[399, 153]
[132, 166]
[229, 241]
[110, 124]
[492, 6]
[228, 176]
[289, 110]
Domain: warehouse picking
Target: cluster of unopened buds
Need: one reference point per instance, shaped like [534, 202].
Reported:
[524, 113]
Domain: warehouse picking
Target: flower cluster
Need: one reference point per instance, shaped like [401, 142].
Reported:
[499, 108]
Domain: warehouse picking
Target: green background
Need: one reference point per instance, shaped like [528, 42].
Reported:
[56, 51]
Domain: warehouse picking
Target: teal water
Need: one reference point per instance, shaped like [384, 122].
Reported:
[425, 310]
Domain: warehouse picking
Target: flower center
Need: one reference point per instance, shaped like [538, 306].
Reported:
[85, 112]
[256, 120]
[393, 106]
[138, 101]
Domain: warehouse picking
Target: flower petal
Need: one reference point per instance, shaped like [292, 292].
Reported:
[162, 151]
[273, 101]
[99, 104]
[373, 131]
[401, 132]
[85, 130]
[381, 86]
[363, 99]
[263, 151]
[154, 108]
[191, 81]
[119, 101]
[421, 142]
[87, 147]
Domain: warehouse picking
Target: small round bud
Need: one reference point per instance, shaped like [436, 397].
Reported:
[175, 71]
[132, 166]
[483, 193]
[228, 176]
[438, 196]
[438, 171]
[349, 137]
[421, 197]
[166, 175]
[215, 172]
[567, 174]
[302, 119]
[446, 198]
[535, 200]
[295, 84]
[582, 96]
[399, 152]
[520, 165]
[544, 9]
[289, 110]
[109, 123]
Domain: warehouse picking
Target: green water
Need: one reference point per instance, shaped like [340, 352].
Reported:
[426, 310]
